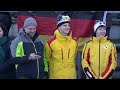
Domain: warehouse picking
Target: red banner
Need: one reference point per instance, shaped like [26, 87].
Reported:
[81, 21]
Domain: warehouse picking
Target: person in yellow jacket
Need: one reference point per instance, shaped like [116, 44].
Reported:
[99, 58]
[61, 51]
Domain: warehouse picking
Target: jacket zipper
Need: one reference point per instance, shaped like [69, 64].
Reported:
[99, 61]
[37, 60]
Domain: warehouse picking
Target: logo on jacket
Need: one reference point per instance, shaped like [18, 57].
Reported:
[105, 46]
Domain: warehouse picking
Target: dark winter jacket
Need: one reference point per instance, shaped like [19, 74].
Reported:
[7, 71]
[21, 48]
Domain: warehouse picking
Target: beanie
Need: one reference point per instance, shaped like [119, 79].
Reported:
[98, 24]
[30, 22]
[62, 19]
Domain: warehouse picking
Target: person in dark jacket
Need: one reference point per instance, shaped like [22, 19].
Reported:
[27, 52]
[7, 70]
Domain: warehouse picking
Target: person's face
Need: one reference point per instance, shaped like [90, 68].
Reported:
[101, 32]
[1, 32]
[64, 29]
[31, 30]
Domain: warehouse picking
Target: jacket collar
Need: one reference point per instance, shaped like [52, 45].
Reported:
[25, 35]
[97, 39]
[61, 37]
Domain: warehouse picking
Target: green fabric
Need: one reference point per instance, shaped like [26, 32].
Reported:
[2, 55]
[19, 52]
[45, 62]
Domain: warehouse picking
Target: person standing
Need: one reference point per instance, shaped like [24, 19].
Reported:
[7, 70]
[61, 51]
[99, 58]
[27, 52]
